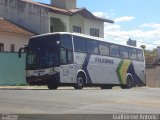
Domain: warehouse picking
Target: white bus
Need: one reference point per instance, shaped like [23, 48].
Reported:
[58, 59]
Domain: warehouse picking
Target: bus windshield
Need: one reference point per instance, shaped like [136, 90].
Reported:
[43, 52]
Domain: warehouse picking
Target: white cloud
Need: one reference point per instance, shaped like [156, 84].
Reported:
[115, 32]
[150, 25]
[124, 19]
[108, 15]
[101, 14]
[111, 27]
[149, 36]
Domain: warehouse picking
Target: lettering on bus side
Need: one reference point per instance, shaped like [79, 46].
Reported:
[104, 60]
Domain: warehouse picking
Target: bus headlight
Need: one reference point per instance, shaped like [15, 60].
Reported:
[51, 70]
[27, 72]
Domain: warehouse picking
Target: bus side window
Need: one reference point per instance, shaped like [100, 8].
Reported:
[66, 41]
[92, 46]
[79, 44]
[103, 48]
[132, 54]
[124, 52]
[63, 56]
[70, 56]
[140, 55]
[114, 50]
[66, 56]
[66, 50]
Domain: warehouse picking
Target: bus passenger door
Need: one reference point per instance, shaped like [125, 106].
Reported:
[66, 67]
[67, 74]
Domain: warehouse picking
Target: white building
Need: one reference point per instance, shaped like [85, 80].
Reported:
[59, 16]
[12, 37]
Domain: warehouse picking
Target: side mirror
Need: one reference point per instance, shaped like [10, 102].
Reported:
[20, 51]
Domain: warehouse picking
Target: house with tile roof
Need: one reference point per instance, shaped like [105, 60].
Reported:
[59, 16]
[12, 37]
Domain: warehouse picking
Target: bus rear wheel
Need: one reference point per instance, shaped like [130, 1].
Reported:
[129, 83]
[52, 85]
[80, 82]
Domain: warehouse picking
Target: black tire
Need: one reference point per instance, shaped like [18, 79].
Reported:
[52, 85]
[129, 83]
[80, 82]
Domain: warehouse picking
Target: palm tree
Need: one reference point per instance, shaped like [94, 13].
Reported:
[143, 47]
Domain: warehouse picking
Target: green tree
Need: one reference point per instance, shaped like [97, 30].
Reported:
[143, 47]
[150, 54]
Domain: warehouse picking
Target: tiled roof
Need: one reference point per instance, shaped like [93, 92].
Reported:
[6, 26]
[50, 7]
[83, 11]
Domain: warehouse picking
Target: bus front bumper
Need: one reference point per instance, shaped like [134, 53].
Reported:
[42, 80]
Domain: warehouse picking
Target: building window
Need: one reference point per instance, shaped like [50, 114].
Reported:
[12, 48]
[77, 29]
[1, 47]
[94, 32]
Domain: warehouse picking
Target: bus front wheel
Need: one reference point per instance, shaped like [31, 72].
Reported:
[80, 82]
[52, 85]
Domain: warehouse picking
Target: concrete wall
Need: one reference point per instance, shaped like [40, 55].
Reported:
[12, 69]
[77, 20]
[30, 16]
[86, 24]
[37, 19]
[65, 4]
[153, 76]
[94, 24]
[71, 4]
[11, 38]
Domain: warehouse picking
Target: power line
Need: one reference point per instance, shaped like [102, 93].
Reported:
[116, 36]
[131, 39]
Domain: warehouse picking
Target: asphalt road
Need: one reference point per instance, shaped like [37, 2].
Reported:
[87, 101]
[31, 103]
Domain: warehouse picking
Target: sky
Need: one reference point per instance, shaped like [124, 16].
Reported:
[135, 19]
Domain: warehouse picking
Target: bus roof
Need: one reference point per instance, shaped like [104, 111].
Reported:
[83, 35]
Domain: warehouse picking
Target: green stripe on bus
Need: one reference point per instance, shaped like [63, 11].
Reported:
[118, 72]
[122, 70]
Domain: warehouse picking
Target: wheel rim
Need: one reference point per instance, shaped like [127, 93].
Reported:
[80, 81]
[129, 83]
